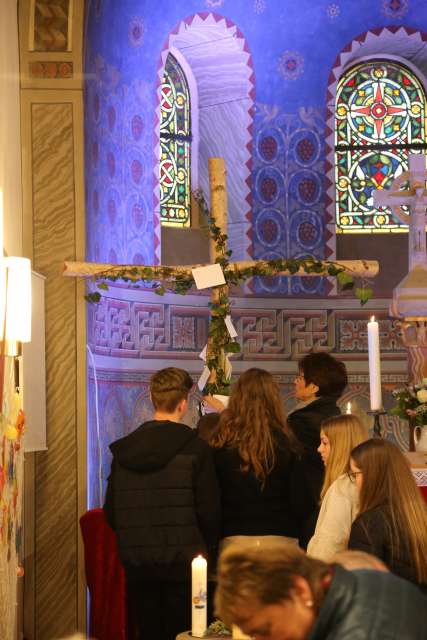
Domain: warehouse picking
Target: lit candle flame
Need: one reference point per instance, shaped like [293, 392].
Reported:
[372, 318]
[348, 410]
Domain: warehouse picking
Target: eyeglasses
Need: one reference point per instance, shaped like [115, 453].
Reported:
[352, 475]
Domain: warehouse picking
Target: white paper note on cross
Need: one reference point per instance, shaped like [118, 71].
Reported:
[414, 197]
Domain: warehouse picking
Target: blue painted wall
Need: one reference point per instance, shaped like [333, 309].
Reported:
[293, 47]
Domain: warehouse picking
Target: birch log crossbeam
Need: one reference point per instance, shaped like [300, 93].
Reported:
[357, 268]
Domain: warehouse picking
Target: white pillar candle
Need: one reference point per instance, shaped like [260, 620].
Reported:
[199, 587]
[348, 410]
[374, 365]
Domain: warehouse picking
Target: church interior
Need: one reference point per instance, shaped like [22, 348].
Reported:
[111, 114]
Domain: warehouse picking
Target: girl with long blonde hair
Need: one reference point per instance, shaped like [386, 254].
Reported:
[254, 455]
[392, 520]
[339, 497]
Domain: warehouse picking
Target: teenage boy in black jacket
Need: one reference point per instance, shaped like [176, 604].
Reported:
[163, 503]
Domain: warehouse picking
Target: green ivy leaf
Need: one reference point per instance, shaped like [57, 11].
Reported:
[345, 281]
[103, 286]
[363, 294]
[93, 297]
[160, 291]
[232, 347]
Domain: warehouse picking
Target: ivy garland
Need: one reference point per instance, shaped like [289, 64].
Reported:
[181, 281]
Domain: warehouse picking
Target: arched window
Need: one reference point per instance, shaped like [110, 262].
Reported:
[380, 118]
[175, 147]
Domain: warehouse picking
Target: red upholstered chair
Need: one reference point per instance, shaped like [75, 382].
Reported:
[105, 579]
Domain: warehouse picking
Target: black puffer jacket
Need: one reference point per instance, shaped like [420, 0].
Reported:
[162, 500]
[371, 605]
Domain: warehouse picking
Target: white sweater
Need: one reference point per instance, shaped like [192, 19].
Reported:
[339, 508]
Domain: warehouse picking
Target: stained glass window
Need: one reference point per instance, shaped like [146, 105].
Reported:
[175, 146]
[380, 118]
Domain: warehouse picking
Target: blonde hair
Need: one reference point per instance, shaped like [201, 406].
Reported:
[388, 481]
[344, 433]
[252, 575]
[254, 413]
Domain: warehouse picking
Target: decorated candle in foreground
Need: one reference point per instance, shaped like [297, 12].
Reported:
[374, 365]
[348, 410]
[199, 587]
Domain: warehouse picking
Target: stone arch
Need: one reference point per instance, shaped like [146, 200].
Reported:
[215, 50]
[402, 44]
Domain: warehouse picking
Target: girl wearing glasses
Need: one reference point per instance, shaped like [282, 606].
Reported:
[392, 520]
[339, 496]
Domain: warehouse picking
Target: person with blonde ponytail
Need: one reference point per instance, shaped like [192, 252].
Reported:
[392, 520]
[339, 497]
[254, 458]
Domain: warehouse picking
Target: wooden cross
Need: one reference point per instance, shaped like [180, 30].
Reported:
[217, 350]
[415, 197]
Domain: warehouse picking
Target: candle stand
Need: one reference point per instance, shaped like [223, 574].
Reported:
[377, 425]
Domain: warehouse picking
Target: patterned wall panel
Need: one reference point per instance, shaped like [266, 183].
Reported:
[271, 330]
[51, 25]
[56, 469]
[288, 193]
[118, 138]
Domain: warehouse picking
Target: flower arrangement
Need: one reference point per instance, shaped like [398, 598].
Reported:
[411, 402]
[217, 629]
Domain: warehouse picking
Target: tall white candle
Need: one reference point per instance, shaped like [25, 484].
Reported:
[348, 410]
[374, 365]
[199, 587]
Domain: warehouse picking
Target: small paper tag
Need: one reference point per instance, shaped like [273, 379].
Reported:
[209, 276]
[202, 354]
[230, 327]
[203, 378]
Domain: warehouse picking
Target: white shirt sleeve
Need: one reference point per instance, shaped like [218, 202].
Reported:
[338, 510]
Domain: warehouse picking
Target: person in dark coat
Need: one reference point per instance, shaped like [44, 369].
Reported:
[392, 520]
[208, 422]
[254, 457]
[279, 593]
[163, 503]
[320, 381]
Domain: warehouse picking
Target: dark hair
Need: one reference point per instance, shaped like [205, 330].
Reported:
[264, 575]
[255, 412]
[168, 387]
[326, 372]
[388, 482]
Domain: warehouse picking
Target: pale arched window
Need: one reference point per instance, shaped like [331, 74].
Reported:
[175, 147]
[380, 118]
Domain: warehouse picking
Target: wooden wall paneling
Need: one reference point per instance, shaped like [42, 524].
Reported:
[54, 223]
